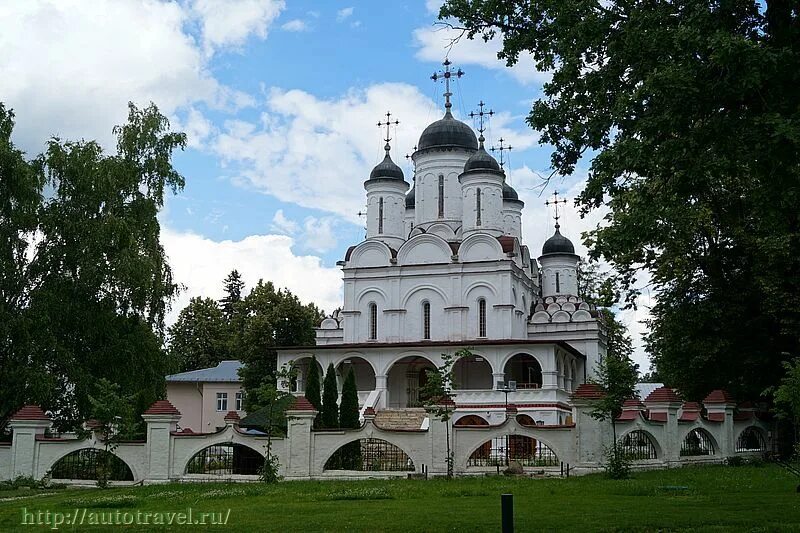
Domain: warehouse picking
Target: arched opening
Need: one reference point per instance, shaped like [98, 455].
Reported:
[500, 451]
[471, 420]
[90, 463]
[370, 455]
[405, 379]
[525, 370]
[472, 372]
[751, 440]
[300, 376]
[226, 459]
[525, 420]
[637, 446]
[697, 442]
[363, 372]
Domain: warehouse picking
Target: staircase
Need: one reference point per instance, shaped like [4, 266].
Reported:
[400, 419]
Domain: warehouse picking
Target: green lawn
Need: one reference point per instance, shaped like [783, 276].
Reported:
[713, 498]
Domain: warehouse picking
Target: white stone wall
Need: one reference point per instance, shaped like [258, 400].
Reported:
[393, 194]
[566, 266]
[430, 164]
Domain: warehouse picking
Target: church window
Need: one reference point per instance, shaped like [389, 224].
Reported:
[441, 196]
[558, 283]
[426, 321]
[481, 318]
[380, 215]
[373, 322]
[478, 208]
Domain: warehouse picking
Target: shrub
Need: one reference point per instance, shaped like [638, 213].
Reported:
[617, 465]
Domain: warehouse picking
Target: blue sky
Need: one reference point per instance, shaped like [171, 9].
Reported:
[279, 100]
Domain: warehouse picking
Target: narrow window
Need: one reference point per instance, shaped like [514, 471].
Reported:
[380, 215]
[441, 196]
[373, 322]
[222, 401]
[558, 283]
[478, 208]
[239, 398]
[481, 318]
[426, 321]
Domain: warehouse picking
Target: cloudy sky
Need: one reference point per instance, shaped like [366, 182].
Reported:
[280, 101]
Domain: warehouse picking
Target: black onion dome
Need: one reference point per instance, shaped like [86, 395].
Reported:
[509, 193]
[448, 132]
[558, 244]
[410, 199]
[386, 169]
[481, 160]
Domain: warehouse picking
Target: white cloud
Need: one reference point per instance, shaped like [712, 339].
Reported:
[434, 43]
[296, 25]
[314, 234]
[433, 6]
[226, 23]
[70, 67]
[200, 264]
[281, 224]
[197, 128]
[344, 14]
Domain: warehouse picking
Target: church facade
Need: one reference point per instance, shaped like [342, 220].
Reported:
[444, 266]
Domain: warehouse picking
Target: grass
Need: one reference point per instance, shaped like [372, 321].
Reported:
[710, 498]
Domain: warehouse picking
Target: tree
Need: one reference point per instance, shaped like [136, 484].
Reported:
[233, 294]
[438, 393]
[329, 418]
[271, 318]
[113, 415]
[348, 411]
[616, 376]
[199, 338]
[314, 389]
[690, 110]
[787, 400]
[274, 403]
[86, 300]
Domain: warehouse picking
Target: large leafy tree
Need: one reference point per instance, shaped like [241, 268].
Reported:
[692, 113]
[85, 282]
[273, 317]
[200, 336]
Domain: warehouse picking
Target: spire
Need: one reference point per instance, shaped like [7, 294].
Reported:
[388, 124]
[480, 114]
[446, 74]
[554, 202]
[501, 149]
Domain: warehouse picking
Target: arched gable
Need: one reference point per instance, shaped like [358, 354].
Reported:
[370, 253]
[424, 249]
[480, 247]
[442, 230]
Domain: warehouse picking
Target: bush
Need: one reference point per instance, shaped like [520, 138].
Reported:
[617, 466]
[268, 472]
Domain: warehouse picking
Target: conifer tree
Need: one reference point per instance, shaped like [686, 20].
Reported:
[330, 395]
[348, 411]
[313, 389]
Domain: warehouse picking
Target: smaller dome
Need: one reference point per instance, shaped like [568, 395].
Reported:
[481, 160]
[509, 193]
[448, 132]
[410, 198]
[386, 169]
[558, 244]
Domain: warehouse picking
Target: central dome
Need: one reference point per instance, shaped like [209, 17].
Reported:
[448, 132]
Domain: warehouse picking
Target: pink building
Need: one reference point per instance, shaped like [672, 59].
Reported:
[205, 396]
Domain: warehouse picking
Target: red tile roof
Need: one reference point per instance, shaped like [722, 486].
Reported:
[627, 416]
[658, 417]
[507, 243]
[162, 407]
[689, 416]
[301, 403]
[691, 406]
[719, 396]
[716, 417]
[588, 391]
[232, 415]
[30, 412]
[633, 404]
[369, 411]
[662, 394]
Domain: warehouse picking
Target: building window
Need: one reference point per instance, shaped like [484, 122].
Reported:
[222, 401]
[441, 196]
[426, 321]
[380, 215]
[481, 318]
[478, 208]
[239, 398]
[558, 283]
[373, 322]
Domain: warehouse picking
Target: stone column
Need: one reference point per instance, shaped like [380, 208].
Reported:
[298, 462]
[498, 377]
[162, 419]
[719, 406]
[26, 424]
[381, 386]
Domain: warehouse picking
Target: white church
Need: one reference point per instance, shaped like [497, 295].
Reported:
[444, 266]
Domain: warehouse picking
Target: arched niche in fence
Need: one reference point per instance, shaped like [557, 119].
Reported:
[524, 450]
[89, 463]
[471, 420]
[370, 455]
[226, 459]
[751, 440]
[637, 446]
[698, 442]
